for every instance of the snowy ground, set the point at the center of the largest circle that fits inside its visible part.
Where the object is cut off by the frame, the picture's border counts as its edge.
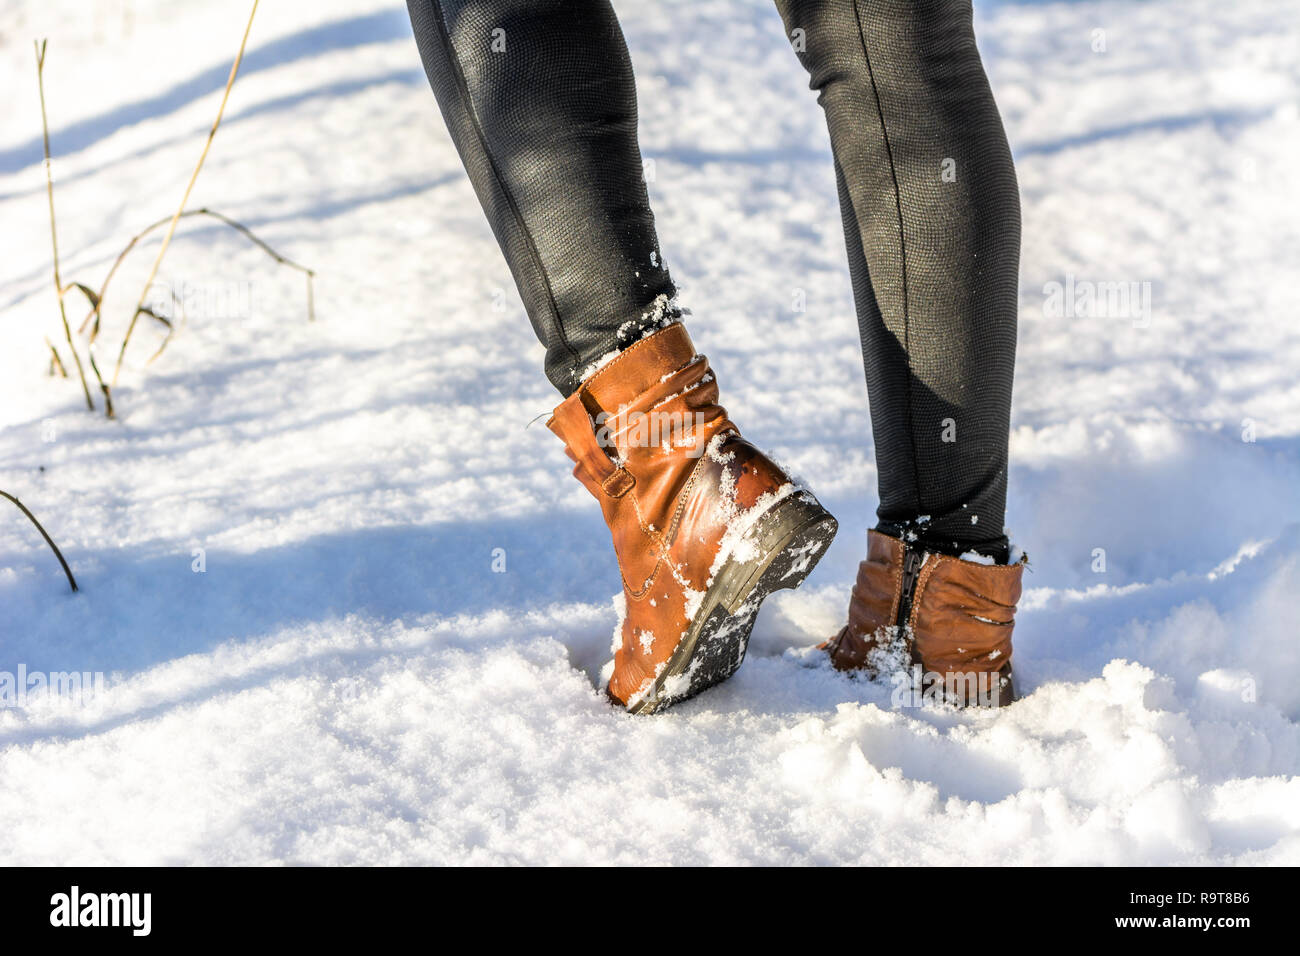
(349, 681)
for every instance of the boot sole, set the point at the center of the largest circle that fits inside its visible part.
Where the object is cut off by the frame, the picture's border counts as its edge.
(789, 539)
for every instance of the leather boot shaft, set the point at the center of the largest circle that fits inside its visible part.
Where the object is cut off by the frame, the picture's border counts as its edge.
(950, 616)
(698, 516)
(637, 431)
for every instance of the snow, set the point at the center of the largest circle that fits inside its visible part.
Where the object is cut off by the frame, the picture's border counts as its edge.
(349, 680)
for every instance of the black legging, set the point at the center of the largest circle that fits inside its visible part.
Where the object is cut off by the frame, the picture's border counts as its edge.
(541, 103)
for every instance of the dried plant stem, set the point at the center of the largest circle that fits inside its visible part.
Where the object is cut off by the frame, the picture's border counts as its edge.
(48, 540)
(97, 299)
(171, 228)
(103, 386)
(56, 363)
(54, 235)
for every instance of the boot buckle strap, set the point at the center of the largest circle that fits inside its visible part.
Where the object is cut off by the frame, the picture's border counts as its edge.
(619, 482)
(573, 423)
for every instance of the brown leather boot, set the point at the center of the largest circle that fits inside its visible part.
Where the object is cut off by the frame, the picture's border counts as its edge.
(951, 617)
(704, 525)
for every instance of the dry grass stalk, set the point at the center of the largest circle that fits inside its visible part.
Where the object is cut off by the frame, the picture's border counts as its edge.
(103, 386)
(44, 534)
(96, 299)
(54, 235)
(56, 363)
(171, 228)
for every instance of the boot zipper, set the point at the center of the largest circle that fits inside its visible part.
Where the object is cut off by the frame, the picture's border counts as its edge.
(912, 561)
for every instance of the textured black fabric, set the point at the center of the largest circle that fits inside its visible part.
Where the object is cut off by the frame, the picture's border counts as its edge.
(934, 258)
(541, 103)
(546, 125)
